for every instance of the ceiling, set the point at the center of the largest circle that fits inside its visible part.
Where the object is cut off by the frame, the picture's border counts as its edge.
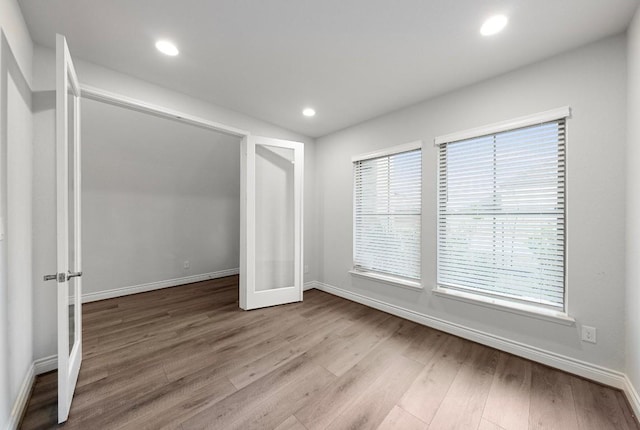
(349, 59)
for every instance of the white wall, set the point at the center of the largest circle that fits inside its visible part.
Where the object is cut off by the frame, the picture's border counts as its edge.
(16, 333)
(44, 168)
(155, 193)
(592, 80)
(17, 34)
(19, 199)
(633, 203)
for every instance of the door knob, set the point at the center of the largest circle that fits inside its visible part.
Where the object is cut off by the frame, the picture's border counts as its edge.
(73, 275)
(60, 277)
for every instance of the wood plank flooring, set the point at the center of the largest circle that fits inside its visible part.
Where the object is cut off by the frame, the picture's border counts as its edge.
(188, 358)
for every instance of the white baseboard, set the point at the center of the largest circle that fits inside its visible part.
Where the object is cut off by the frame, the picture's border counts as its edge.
(142, 288)
(632, 396)
(45, 364)
(309, 286)
(22, 399)
(578, 367)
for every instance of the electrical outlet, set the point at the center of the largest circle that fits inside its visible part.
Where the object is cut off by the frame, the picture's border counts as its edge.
(588, 334)
(306, 268)
(186, 265)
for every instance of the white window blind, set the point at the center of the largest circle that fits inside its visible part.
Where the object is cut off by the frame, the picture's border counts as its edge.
(501, 214)
(387, 214)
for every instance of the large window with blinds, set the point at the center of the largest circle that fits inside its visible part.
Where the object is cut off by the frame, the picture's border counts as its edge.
(501, 214)
(387, 213)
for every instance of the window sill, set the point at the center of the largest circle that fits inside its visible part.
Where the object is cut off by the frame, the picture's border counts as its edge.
(387, 279)
(507, 306)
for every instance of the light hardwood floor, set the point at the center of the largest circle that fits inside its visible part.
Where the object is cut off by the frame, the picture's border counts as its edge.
(189, 358)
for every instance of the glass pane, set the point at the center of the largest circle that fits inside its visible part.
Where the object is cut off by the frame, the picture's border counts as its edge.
(274, 218)
(71, 206)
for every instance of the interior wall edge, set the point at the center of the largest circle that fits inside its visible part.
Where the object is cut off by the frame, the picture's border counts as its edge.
(577, 367)
(17, 192)
(632, 281)
(17, 33)
(22, 399)
(632, 395)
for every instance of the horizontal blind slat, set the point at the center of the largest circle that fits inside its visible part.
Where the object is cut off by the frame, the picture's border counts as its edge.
(501, 222)
(387, 214)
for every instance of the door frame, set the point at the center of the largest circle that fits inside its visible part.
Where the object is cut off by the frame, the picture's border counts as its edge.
(115, 99)
(108, 97)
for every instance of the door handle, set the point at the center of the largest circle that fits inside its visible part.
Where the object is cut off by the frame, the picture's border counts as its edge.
(60, 277)
(73, 275)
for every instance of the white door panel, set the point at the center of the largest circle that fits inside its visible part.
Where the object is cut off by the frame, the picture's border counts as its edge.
(271, 232)
(69, 252)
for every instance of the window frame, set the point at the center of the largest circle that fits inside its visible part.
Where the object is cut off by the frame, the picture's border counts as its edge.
(497, 301)
(379, 276)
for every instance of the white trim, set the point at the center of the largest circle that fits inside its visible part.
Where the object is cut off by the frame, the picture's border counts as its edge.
(411, 146)
(115, 99)
(135, 289)
(523, 121)
(45, 364)
(632, 396)
(309, 286)
(22, 399)
(594, 372)
(388, 279)
(506, 305)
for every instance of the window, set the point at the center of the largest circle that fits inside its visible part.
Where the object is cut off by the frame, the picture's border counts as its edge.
(501, 211)
(387, 213)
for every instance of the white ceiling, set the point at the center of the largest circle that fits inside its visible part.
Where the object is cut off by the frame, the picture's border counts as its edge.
(350, 59)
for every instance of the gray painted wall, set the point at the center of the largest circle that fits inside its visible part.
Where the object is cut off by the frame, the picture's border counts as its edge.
(16, 331)
(633, 203)
(44, 174)
(155, 193)
(592, 80)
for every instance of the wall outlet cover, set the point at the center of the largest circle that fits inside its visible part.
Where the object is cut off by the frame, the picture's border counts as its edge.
(588, 334)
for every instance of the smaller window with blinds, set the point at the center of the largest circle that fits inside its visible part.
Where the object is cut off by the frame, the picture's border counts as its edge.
(501, 211)
(387, 214)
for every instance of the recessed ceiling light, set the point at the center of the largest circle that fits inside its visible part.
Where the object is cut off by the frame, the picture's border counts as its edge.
(308, 112)
(494, 25)
(167, 48)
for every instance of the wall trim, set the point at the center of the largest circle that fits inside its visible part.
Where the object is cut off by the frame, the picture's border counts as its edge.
(309, 285)
(45, 364)
(22, 399)
(594, 372)
(632, 396)
(142, 288)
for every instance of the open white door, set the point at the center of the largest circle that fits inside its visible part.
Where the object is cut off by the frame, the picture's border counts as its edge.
(69, 253)
(271, 255)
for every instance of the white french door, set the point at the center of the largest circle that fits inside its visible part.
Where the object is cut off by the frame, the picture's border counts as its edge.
(69, 252)
(271, 257)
